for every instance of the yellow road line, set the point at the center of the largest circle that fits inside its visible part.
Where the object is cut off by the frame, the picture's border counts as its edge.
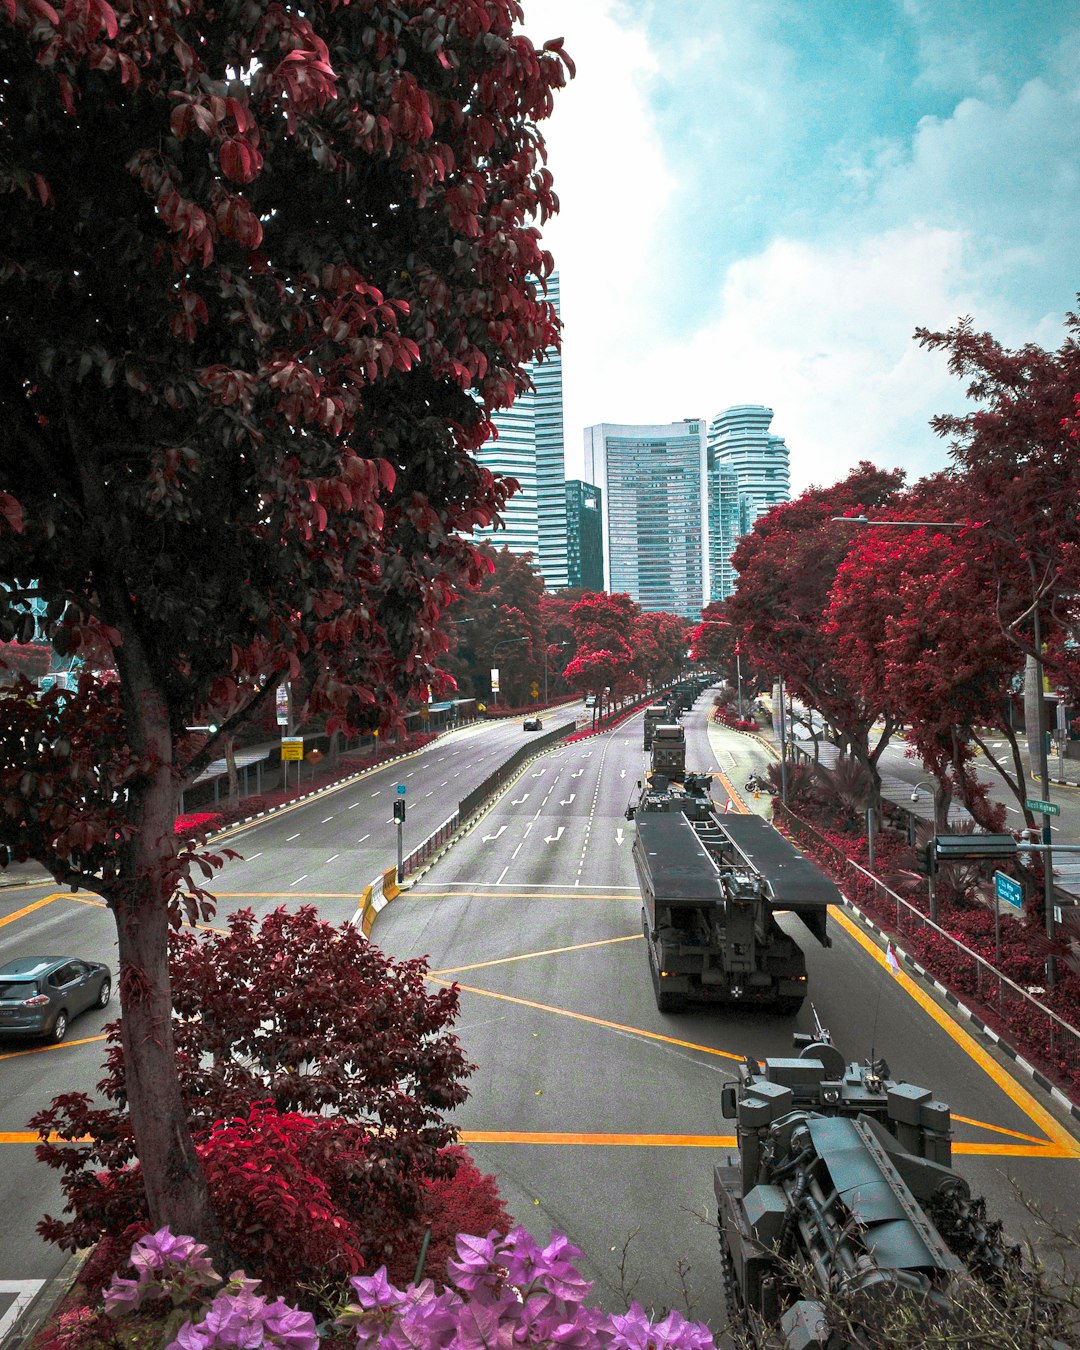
(1014, 1150)
(25, 1137)
(593, 1021)
(998, 1129)
(729, 788)
(29, 909)
(1035, 1112)
(45, 1049)
(523, 895)
(529, 956)
(287, 895)
(616, 1140)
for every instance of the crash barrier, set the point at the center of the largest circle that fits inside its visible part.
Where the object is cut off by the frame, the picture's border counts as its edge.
(431, 845)
(971, 974)
(376, 897)
(494, 781)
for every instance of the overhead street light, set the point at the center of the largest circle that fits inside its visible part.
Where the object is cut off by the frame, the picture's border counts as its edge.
(503, 642)
(1044, 771)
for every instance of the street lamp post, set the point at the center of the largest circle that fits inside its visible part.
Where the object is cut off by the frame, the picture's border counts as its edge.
(1044, 772)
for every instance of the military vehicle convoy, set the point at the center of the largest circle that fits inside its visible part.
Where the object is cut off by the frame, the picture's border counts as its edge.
(655, 714)
(669, 750)
(842, 1182)
(711, 886)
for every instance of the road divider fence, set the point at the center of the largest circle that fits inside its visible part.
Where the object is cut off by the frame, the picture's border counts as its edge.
(971, 975)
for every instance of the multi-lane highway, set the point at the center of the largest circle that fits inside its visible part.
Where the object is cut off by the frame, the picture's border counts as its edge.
(599, 1115)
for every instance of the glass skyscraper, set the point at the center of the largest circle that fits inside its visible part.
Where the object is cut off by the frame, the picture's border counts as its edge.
(656, 541)
(584, 536)
(747, 473)
(529, 446)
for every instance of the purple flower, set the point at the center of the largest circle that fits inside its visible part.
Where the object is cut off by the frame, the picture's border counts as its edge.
(157, 1251)
(477, 1261)
(376, 1291)
(245, 1322)
(124, 1296)
(634, 1331)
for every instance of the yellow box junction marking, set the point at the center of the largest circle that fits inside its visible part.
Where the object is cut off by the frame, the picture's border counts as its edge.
(29, 909)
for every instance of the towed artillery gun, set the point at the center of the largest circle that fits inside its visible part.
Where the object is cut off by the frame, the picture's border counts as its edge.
(712, 885)
(843, 1183)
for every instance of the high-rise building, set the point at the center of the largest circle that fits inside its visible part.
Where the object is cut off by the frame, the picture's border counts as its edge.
(653, 509)
(529, 445)
(584, 536)
(747, 473)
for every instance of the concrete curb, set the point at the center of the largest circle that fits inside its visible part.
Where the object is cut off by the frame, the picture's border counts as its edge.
(913, 966)
(44, 1303)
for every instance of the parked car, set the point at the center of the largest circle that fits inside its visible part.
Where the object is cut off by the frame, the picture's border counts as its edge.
(532, 724)
(39, 995)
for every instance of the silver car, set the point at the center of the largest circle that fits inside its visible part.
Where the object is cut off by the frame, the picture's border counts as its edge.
(39, 995)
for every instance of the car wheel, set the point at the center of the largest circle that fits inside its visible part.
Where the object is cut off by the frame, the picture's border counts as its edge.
(106, 993)
(59, 1026)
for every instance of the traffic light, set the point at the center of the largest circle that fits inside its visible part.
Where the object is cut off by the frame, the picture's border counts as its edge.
(399, 811)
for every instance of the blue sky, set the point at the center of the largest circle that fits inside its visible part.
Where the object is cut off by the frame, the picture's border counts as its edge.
(762, 199)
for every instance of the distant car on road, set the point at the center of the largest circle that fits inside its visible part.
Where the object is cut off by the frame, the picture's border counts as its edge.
(532, 724)
(39, 995)
(590, 702)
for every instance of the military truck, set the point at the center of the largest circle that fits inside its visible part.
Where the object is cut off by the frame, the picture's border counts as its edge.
(711, 886)
(669, 750)
(654, 715)
(845, 1176)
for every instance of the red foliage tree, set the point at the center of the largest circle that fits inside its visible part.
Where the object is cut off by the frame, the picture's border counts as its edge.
(497, 623)
(787, 566)
(311, 1019)
(603, 664)
(252, 326)
(660, 644)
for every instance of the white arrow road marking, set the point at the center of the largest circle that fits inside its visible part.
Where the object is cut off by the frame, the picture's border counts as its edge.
(499, 831)
(554, 838)
(622, 773)
(520, 800)
(569, 799)
(578, 774)
(619, 836)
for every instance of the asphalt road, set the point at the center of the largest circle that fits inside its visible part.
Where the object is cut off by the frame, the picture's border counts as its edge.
(323, 851)
(599, 1115)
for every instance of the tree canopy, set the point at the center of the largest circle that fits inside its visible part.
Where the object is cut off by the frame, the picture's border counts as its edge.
(265, 273)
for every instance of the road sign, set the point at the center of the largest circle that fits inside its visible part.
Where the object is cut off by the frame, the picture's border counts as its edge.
(494, 679)
(1009, 890)
(401, 789)
(292, 747)
(1047, 808)
(534, 689)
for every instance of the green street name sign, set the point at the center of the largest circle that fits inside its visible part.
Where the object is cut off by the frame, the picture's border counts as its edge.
(1047, 808)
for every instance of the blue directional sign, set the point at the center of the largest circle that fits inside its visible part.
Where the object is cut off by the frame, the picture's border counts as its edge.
(401, 789)
(1009, 890)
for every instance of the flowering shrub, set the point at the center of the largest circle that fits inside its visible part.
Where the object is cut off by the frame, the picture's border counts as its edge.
(198, 822)
(498, 1292)
(723, 714)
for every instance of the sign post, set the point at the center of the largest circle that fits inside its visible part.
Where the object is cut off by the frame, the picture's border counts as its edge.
(292, 748)
(1008, 889)
(494, 684)
(399, 819)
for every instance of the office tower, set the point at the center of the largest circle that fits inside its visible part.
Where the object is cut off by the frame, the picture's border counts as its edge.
(651, 480)
(550, 459)
(584, 536)
(528, 445)
(729, 513)
(747, 473)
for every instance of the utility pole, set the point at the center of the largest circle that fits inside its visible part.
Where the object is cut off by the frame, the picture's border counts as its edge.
(1044, 784)
(783, 744)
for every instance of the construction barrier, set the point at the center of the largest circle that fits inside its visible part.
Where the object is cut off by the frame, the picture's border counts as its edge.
(376, 897)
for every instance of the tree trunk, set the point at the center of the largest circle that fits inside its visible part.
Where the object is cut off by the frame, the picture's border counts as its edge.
(1032, 700)
(942, 802)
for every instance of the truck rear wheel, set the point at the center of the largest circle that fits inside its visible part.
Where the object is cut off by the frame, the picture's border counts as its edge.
(665, 1002)
(788, 1007)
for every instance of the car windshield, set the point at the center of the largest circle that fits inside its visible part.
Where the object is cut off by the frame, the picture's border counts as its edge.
(17, 989)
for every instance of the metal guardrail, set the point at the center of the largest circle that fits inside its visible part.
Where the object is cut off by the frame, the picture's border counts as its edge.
(431, 845)
(972, 976)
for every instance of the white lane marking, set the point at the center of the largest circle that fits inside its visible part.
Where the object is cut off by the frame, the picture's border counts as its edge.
(326, 821)
(376, 793)
(366, 836)
(334, 858)
(499, 831)
(291, 838)
(252, 856)
(502, 874)
(428, 794)
(298, 880)
(444, 782)
(554, 838)
(410, 773)
(25, 1292)
(354, 806)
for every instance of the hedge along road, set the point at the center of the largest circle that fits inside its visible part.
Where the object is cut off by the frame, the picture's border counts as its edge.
(321, 851)
(600, 1116)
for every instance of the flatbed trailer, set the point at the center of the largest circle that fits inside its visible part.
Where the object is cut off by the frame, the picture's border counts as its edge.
(711, 888)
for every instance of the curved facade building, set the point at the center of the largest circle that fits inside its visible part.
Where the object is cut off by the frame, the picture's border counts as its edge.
(748, 471)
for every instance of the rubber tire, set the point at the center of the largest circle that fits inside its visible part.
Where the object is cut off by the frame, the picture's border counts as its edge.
(788, 1007)
(59, 1027)
(665, 1003)
(106, 993)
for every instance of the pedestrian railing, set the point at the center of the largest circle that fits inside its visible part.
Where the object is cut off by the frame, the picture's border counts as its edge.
(970, 975)
(431, 845)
